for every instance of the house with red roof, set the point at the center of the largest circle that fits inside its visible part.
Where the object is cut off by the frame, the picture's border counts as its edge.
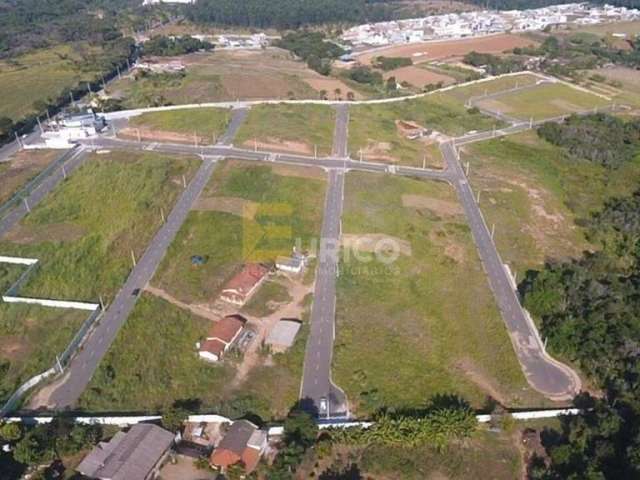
(243, 443)
(244, 283)
(221, 337)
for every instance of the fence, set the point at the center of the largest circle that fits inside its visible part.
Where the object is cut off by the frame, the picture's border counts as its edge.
(64, 358)
(36, 181)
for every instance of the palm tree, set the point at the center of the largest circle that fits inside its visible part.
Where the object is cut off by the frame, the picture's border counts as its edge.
(323, 94)
(337, 92)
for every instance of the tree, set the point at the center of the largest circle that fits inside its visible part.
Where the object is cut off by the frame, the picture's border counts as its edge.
(351, 96)
(337, 93)
(173, 418)
(33, 449)
(11, 432)
(6, 125)
(323, 94)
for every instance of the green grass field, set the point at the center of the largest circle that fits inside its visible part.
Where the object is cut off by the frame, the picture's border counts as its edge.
(545, 101)
(226, 239)
(495, 85)
(290, 127)
(83, 233)
(271, 292)
(537, 197)
(153, 362)
(30, 339)
(493, 455)
(206, 123)
(373, 128)
(426, 324)
(41, 75)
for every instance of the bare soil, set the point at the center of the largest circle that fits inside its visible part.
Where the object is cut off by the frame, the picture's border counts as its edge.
(436, 205)
(22, 166)
(233, 205)
(278, 145)
(474, 374)
(148, 135)
(427, 51)
(52, 232)
(418, 77)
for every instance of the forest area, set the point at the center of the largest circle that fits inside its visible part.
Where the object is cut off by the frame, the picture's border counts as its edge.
(590, 314)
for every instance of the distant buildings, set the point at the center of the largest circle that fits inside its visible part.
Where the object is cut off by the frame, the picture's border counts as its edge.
(474, 23)
(154, 2)
(135, 455)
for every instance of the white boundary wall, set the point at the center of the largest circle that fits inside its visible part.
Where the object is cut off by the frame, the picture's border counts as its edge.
(18, 260)
(52, 303)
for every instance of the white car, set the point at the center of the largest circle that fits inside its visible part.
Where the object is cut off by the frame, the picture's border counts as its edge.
(323, 405)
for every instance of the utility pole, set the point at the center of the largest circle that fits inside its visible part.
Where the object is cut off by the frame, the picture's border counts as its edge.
(118, 70)
(18, 140)
(530, 122)
(478, 197)
(424, 161)
(104, 85)
(138, 132)
(213, 137)
(493, 230)
(133, 258)
(26, 204)
(89, 87)
(58, 364)
(128, 64)
(64, 172)
(101, 303)
(315, 151)
(162, 214)
(39, 125)
(467, 169)
(184, 181)
(71, 97)
(360, 155)
(255, 145)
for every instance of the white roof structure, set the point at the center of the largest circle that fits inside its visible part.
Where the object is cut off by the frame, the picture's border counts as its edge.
(284, 333)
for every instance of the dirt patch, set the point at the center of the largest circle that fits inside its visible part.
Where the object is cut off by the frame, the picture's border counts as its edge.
(13, 347)
(233, 205)
(197, 310)
(426, 51)
(437, 206)
(418, 77)
(409, 129)
(52, 232)
(330, 85)
(473, 373)
(494, 105)
(379, 151)
(23, 166)
(299, 172)
(372, 242)
(148, 135)
(279, 145)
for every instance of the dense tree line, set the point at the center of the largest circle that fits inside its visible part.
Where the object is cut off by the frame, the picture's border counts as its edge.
(590, 314)
(313, 48)
(495, 65)
(599, 138)
(164, 46)
(391, 63)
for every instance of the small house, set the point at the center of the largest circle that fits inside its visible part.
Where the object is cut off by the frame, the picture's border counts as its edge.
(244, 442)
(221, 337)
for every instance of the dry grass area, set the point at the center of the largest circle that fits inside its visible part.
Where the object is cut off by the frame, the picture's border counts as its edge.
(230, 75)
(626, 82)
(439, 50)
(418, 77)
(21, 168)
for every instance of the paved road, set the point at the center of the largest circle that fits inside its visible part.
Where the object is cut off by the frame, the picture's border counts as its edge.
(341, 132)
(84, 364)
(42, 190)
(316, 380)
(302, 160)
(8, 150)
(546, 375)
(238, 116)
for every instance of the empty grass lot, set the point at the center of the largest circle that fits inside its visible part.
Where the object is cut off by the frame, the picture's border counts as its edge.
(537, 197)
(426, 324)
(206, 123)
(494, 85)
(373, 128)
(41, 75)
(83, 233)
(21, 168)
(545, 101)
(295, 128)
(217, 230)
(30, 339)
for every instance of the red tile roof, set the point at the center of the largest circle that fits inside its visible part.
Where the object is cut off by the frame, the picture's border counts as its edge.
(245, 280)
(213, 346)
(227, 328)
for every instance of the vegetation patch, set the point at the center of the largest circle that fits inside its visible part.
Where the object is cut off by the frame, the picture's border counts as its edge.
(205, 124)
(290, 127)
(22, 167)
(539, 198)
(114, 204)
(403, 327)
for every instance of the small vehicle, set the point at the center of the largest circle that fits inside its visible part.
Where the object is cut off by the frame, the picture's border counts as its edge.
(323, 405)
(136, 292)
